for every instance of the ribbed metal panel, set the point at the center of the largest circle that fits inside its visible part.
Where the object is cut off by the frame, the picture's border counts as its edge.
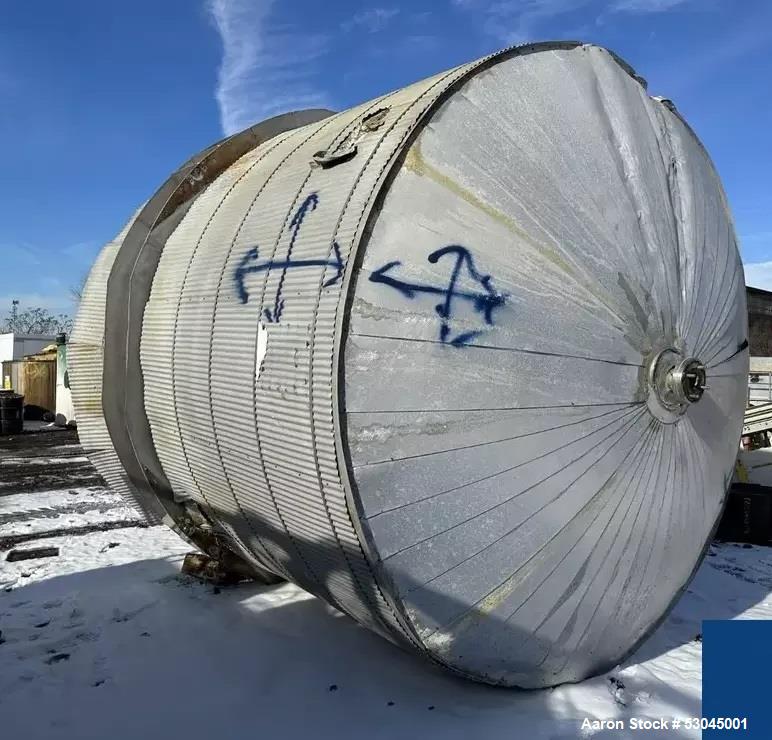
(419, 357)
(274, 473)
(84, 360)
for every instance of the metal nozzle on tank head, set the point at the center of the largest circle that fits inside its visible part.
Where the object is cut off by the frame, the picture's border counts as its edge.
(675, 382)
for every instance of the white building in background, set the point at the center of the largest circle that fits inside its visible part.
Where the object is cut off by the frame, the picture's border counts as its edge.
(16, 346)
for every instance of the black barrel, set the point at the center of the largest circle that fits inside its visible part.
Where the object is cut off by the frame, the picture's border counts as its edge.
(11, 412)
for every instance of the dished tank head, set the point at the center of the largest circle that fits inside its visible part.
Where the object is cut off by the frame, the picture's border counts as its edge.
(468, 361)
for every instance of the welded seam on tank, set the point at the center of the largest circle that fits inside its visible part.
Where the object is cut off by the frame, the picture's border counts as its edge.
(644, 462)
(698, 350)
(644, 635)
(274, 143)
(625, 428)
(492, 408)
(499, 348)
(621, 168)
(218, 291)
(340, 136)
(701, 343)
(603, 595)
(648, 463)
(728, 311)
(664, 521)
(684, 501)
(670, 439)
(640, 443)
(692, 438)
(636, 579)
(688, 306)
(581, 571)
(627, 412)
(613, 615)
(702, 463)
(731, 342)
(648, 493)
(475, 445)
(572, 270)
(742, 347)
(644, 533)
(684, 463)
(715, 288)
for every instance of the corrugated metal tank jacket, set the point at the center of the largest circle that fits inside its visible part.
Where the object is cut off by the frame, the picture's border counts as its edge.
(467, 361)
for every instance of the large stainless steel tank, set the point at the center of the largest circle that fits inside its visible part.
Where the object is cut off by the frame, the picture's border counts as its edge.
(467, 361)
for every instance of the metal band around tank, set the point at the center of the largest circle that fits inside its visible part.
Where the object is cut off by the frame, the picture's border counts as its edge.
(128, 289)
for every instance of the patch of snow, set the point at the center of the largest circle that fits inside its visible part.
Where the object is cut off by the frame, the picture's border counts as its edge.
(109, 640)
(30, 502)
(42, 511)
(94, 515)
(43, 460)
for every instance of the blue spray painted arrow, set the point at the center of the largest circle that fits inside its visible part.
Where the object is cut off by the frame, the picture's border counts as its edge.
(484, 302)
(249, 263)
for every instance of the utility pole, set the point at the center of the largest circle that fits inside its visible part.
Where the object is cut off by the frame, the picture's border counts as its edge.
(14, 313)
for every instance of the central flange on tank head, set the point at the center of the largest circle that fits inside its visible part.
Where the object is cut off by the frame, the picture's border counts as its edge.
(674, 383)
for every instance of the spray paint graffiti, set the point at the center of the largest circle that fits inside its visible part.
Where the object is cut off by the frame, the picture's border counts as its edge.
(484, 302)
(250, 263)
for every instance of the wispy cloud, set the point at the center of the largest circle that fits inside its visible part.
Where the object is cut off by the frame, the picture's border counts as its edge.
(372, 20)
(647, 6)
(267, 66)
(759, 275)
(518, 21)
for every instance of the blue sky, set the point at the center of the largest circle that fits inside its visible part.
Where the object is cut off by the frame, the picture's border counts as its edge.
(101, 101)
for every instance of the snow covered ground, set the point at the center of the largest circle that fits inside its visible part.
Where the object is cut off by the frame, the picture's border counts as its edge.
(108, 640)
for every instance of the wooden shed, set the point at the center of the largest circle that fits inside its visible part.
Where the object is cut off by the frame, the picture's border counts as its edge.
(34, 377)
